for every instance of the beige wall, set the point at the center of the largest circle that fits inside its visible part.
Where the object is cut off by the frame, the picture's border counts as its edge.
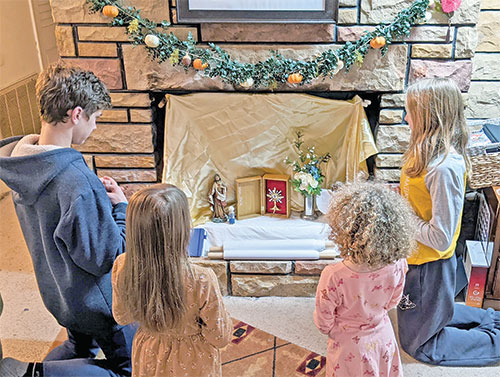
(45, 30)
(27, 41)
(18, 54)
(484, 93)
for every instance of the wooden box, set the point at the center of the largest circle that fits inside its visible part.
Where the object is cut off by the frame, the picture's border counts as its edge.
(276, 195)
(492, 294)
(263, 195)
(248, 197)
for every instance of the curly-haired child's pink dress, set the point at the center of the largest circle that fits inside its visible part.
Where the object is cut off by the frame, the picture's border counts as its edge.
(351, 308)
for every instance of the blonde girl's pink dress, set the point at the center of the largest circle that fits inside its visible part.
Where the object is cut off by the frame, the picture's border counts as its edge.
(351, 308)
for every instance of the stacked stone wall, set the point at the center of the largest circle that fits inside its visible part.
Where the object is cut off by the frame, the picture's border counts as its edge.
(123, 143)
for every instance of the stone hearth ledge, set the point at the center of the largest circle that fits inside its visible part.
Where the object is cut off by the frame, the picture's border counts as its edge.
(267, 278)
(261, 267)
(274, 285)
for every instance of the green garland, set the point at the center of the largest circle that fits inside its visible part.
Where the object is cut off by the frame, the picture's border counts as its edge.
(268, 73)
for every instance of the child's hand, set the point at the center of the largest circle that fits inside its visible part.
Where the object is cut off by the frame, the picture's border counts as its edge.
(114, 191)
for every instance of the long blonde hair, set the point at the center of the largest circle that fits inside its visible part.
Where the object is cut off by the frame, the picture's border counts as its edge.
(436, 109)
(156, 263)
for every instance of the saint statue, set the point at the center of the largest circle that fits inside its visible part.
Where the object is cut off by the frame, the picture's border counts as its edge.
(217, 200)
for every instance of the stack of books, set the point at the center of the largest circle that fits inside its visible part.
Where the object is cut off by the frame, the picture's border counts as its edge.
(488, 134)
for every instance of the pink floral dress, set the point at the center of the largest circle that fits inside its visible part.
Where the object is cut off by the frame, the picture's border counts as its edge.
(351, 308)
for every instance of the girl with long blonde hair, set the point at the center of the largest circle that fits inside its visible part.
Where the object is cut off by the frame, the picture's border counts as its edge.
(432, 328)
(178, 306)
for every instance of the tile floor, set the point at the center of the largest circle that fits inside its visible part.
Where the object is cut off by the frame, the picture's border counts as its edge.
(281, 341)
(256, 353)
(253, 352)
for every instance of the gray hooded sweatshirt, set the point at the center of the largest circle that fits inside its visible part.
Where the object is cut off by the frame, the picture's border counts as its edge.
(73, 232)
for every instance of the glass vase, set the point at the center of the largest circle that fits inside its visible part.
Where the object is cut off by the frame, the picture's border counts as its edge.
(309, 208)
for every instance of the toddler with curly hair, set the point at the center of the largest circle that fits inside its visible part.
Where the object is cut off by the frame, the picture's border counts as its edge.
(374, 229)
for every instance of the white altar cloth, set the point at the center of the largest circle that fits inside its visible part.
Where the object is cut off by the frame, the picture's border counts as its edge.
(265, 228)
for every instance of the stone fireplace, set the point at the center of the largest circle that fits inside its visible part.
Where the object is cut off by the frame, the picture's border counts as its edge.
(127, 144)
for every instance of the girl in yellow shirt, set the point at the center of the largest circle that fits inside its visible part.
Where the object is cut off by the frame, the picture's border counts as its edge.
(432, 328)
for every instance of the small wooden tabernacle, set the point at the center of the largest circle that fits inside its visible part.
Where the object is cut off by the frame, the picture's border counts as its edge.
(263, 195)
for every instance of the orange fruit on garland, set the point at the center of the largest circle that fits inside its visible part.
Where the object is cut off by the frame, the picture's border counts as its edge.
(294, 78)
(198, 64)
(110, 11)
(377, 42)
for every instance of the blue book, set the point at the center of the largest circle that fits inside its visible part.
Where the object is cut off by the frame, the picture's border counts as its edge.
(197, 242)
(492, 131)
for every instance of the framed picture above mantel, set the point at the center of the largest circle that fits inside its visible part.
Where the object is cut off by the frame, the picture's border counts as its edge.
(257, 11)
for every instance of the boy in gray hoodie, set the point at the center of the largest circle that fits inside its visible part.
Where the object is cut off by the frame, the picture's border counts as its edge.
(74, 226)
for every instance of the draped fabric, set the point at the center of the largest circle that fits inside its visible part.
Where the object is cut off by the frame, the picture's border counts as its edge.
(240, 135)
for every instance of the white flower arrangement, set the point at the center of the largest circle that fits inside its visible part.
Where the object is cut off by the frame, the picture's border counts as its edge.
(308, 177)
(306, 180)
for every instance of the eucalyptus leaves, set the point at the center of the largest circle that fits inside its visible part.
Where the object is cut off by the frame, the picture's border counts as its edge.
(216, 62)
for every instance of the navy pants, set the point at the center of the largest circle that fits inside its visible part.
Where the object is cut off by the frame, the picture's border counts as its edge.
(75, 357)
(435, 330)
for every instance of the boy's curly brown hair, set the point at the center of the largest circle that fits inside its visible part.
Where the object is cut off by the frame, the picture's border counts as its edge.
(60, 88)
(371, 224)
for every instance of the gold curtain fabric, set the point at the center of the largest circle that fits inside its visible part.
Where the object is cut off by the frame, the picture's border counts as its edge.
(240, 135)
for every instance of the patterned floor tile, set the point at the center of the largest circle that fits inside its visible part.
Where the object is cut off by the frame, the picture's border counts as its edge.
(247, 340)
(295, 361)
(281, 342)
(259, 365)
